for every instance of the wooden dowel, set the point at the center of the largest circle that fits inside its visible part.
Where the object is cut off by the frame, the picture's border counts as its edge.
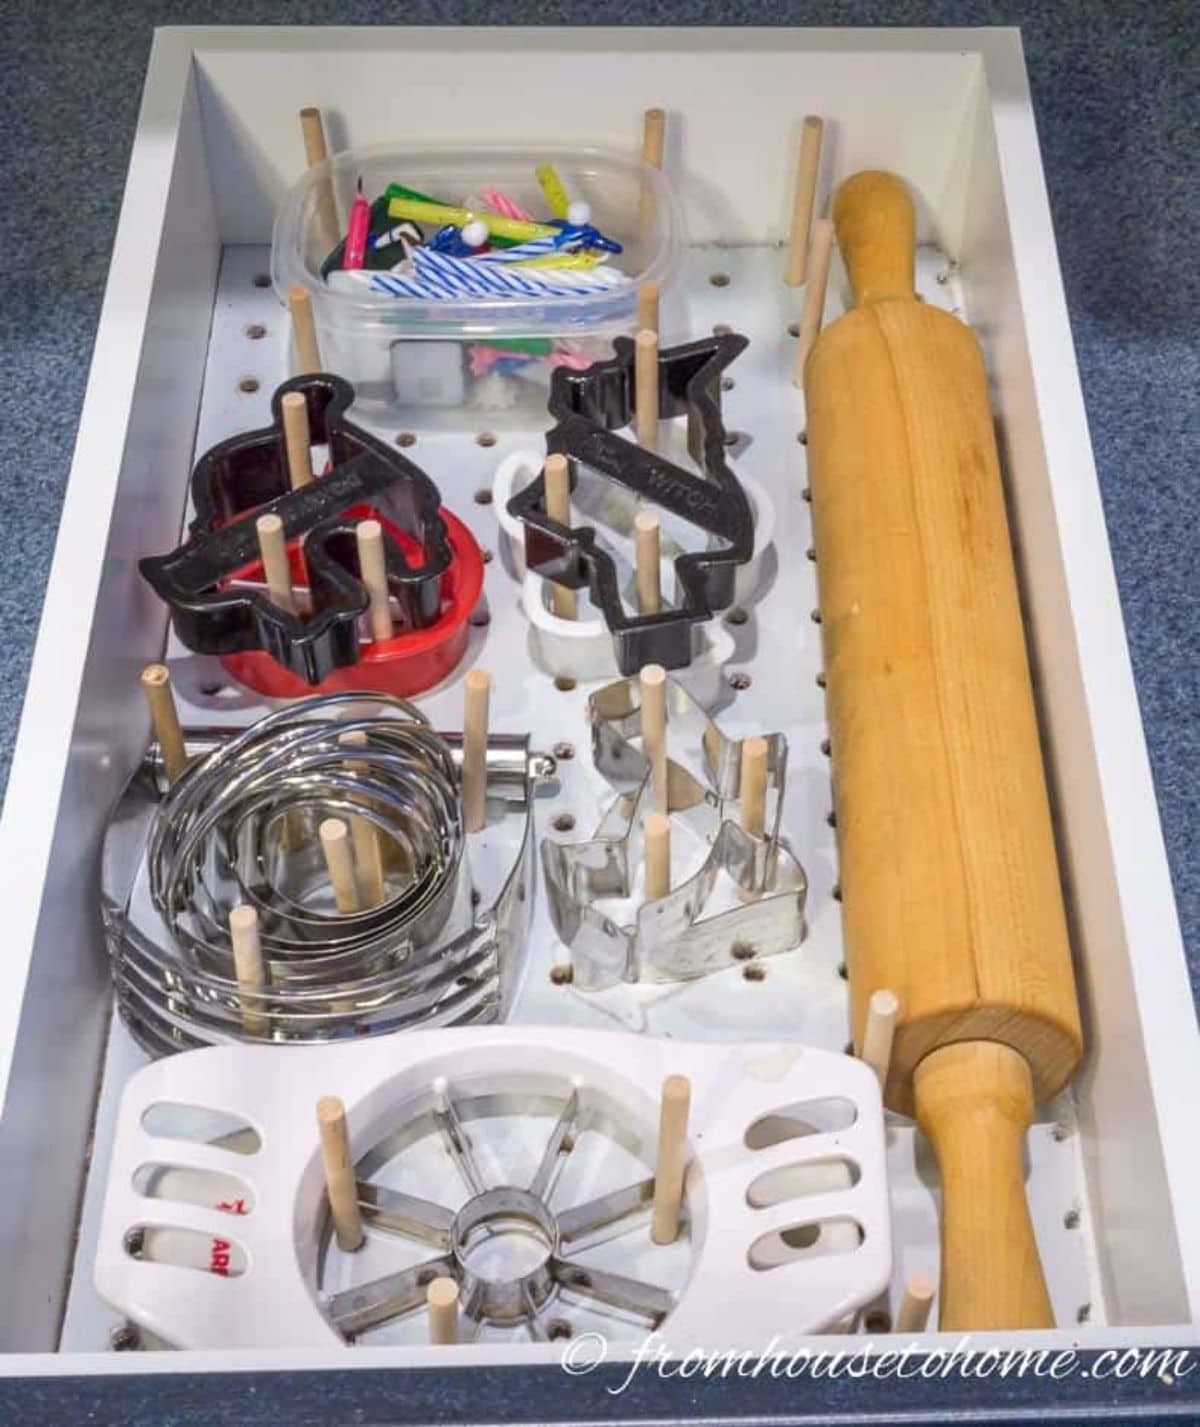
(648, 548)
(164, 719)
(653, 685)
(656, 837)
(316, 152)
(313, 130)
(806, 188)
(339, 861)
(752, 791)
(297, 438)
(272, 548)
(441, 1299)
(645, 389)
(814, 293)
(668, 1172)
(654, 131)
(308, 353)
(647, 307)
(364, 837)
(915, 1305)
(339, 1173)
(557, 477)
(248, 967)
(478, 689)
(372, 571)
(882, 1010)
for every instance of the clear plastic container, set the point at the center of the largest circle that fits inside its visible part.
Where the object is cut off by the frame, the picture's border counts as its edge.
(433, 363)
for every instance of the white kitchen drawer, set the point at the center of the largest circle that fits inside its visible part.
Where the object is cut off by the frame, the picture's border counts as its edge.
(1114, 1168)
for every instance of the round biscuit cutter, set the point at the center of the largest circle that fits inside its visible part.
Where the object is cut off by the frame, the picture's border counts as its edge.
(518, 1161)
(582, 648)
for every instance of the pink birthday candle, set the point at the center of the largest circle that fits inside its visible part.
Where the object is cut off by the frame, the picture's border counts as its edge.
(358, 229)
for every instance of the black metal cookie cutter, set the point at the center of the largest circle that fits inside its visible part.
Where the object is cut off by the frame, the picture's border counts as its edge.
(589, 406)
(249, 473)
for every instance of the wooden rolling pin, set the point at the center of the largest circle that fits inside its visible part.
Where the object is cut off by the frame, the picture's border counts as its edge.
(950, 888)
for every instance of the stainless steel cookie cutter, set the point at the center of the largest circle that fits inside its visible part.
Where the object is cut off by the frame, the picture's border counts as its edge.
(744, 899)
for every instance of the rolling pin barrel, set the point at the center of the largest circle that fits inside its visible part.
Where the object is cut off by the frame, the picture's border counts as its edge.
(950, 888)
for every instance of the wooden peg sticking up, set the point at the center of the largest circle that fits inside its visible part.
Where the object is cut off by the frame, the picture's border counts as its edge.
(441, 1299)
(272, 547)
(645, 388)
(164, 718)
(668, 1172)
(372, 570)
(339, 1173)
(654, 132)
(308, 353)
(313, 130)
(648, 548)
(814, 293)
(558, 507)
(653, 683)
(364, 838)
(339, 862)
(478, 685)
(882, 1010)
(316, 152)
(656, 837)
(915, 1305)
(647, 308)
(806, 188)
(248, 967)
(297, 438)
(753, 786)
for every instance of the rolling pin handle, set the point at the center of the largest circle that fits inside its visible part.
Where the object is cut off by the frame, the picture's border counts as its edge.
(974, 1101)
(876, 231)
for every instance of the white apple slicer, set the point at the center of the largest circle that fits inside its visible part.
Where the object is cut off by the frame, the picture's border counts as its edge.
(518, 1162)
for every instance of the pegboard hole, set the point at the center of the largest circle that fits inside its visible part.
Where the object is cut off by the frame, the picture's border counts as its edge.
(564, 752)
(480, 619)
(842, 972)
(754, 972)
(486, 438)
(125, 1339)
(737, 615)
(248, 385)
(722, 329)
(727, 383)
(564, 683)
(558, 1329)
(878, 1320)
(719, 279)
(740, 680)
(261, 279)
(562, 975)
(256, 331)
(486, 556)
(564, 822)
(793, 329)
(483, 496)
(406, 438)
(741, 951)
(732, 438)
(802, 437)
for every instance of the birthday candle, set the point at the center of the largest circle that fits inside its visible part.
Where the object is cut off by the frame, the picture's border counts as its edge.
(357, 231)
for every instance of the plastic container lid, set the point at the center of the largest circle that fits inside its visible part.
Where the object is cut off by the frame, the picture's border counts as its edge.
(630, 201)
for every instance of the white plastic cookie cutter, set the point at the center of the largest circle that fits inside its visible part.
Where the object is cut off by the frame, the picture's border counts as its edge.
(518, 1161)
(582, 648)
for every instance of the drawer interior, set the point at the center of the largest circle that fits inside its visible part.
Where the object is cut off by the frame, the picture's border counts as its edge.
(1104, 1182)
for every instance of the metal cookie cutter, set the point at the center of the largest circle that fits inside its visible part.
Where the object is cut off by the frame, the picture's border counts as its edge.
(589, 407)
(444, 942)
(519, 1161)
(745, 896)
(214, 609)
